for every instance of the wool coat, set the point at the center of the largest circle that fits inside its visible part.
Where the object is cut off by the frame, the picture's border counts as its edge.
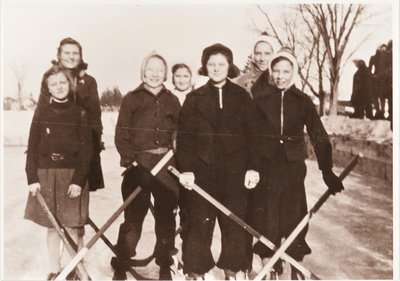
(218, 146)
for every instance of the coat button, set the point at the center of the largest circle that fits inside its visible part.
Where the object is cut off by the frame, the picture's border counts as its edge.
(157, 129)
(157, 142)
(157, 101)
(156, 114)
(281, 141)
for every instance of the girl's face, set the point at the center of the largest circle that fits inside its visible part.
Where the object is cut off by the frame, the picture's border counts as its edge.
(69, 56)
(182, 79)
(282, 72)
(217, 68)
(262, 55)
(58, 85)
(154, 72)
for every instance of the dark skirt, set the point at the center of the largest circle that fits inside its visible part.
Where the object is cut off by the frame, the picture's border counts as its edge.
(54, 188)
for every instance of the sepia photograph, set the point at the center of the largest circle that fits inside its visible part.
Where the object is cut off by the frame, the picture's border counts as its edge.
(199, 140)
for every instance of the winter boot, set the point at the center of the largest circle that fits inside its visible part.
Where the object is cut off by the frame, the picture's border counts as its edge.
(229, 274)
(165, 273)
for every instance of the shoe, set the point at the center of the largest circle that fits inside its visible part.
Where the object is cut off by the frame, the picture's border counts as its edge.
(51, 276)
(119, 275)
(229, 274)
(195, 276)
(165, 273)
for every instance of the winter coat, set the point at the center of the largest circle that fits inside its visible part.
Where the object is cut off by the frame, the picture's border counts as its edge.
(247, 80)
(145, 121)
(298, 111)
(205, 133)
(59, 128)
(362, 87)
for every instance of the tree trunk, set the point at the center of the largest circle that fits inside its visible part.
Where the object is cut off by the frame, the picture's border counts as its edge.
(334, 95)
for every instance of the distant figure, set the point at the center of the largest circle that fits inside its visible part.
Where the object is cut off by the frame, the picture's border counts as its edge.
(182, 81)
(378, 66)
(389, 79)
(361, 95)
(57, 164)
(262, 52)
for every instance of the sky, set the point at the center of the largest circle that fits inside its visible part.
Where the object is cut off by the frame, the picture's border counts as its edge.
(117, 35)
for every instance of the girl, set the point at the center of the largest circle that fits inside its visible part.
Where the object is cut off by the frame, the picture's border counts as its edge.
(58, 158)
(215, 146)
(182, 80)
(283, 112)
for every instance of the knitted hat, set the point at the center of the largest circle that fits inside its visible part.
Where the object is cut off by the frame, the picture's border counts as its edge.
(153, 54)
(218, 49)
(287, 54)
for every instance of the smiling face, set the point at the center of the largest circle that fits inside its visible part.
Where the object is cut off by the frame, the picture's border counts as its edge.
(262, 55)
(281, 73)
(182, 79)
(217, 68)
(58, 85)
(70, 56)
(154, 72)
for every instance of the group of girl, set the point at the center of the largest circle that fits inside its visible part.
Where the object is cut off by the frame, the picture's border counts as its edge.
(241, 138)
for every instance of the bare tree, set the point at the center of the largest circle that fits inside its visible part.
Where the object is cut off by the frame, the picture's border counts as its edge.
(335, 24)
(20, 72)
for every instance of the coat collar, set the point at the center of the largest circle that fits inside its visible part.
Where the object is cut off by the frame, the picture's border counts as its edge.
(207, 101)
(141, 88)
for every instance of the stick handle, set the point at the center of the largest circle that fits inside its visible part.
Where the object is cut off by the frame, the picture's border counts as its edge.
(63, 274)
(289, 240)
(245, 226)
(83, 274)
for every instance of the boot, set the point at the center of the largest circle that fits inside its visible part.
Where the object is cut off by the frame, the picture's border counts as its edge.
(229, 274)
(165, 273)
(119, 269)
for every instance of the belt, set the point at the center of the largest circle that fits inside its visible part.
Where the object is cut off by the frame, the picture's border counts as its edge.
(57, 157)
(159, 150)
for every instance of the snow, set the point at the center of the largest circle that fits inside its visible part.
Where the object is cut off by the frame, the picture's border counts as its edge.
(351, 235)
(373, 130)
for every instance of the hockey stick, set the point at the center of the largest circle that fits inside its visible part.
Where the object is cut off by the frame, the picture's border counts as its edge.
(82, 273)
(246, 227)
(79, 256)
(288, 241)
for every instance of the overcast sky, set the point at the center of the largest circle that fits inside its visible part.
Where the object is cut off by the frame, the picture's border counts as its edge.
(117, 36)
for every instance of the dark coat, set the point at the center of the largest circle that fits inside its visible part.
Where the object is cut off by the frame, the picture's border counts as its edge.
(145, 121)
(59, 128)
(84, 93)
(362, 87)
(298, 111)
(280, 202)
(200, 131)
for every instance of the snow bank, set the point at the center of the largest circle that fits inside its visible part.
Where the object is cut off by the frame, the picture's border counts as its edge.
(372, 130)
(17, 123)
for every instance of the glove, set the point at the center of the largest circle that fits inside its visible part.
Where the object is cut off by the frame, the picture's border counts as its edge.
(187, 180)
(332, 181)
(74, 191)
(34, 188)
(251, 179)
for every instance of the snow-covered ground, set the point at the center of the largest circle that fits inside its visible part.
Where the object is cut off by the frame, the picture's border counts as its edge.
(16, 127)
(351, 236)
